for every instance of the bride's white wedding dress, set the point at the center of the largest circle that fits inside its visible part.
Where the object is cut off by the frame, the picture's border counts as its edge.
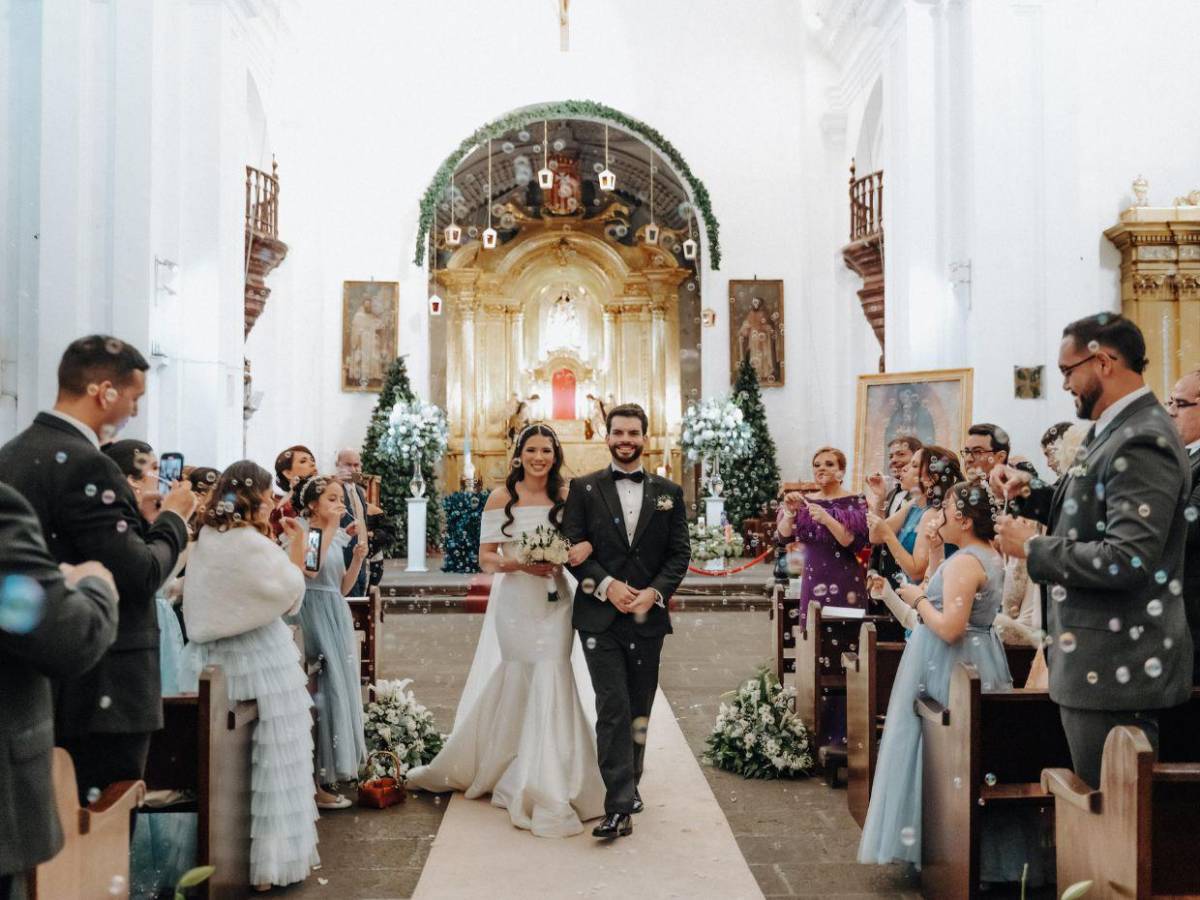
(525, 727)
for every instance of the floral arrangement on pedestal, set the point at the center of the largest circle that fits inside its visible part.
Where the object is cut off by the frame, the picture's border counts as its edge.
(758, 735)
(395, 721)
(714, 542)
(464, 513)
(715, 429)
(395, 470)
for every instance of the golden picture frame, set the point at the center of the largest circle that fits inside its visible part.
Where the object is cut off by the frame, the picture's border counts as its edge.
(370, 319)
(934, 406)
(756, 329)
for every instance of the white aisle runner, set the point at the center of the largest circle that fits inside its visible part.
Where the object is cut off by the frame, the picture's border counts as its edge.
(681, 845)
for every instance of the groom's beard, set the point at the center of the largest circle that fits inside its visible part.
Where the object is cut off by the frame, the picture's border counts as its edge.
(615, 453)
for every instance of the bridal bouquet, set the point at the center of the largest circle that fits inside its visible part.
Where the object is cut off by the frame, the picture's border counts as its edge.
(395, 721)
(545, 544)
(758, 735)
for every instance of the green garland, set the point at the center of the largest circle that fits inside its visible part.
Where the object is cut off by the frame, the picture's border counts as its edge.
(566, 109)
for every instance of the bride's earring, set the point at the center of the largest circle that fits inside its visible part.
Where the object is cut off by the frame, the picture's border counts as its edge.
(516, 464)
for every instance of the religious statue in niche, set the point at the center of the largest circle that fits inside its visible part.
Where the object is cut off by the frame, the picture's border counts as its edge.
(756, 329)
(369, 321)
(594, 424)
(563, 322)
(564, 197)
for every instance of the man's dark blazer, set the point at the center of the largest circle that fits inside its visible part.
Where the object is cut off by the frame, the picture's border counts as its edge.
(882, 560)
(1114, 546)
(658, 556)
(1191, 564)
(359, 589)
(87, 510)
(76, 626)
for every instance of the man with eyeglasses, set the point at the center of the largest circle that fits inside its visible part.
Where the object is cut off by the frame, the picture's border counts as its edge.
(1112, 557)
(1183, 406)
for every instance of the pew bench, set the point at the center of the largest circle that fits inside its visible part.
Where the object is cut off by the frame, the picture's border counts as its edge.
(204, 750)
(1138, 835)
(981, 751)
(367, 614)
(94, 859)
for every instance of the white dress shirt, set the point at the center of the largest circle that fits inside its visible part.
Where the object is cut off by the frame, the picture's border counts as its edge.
(630, 493)
(85, 430)
(1106, 417)
(1193, 448)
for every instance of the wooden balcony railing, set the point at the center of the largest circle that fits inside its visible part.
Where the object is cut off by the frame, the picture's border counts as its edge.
(866, 204)
(262, 201)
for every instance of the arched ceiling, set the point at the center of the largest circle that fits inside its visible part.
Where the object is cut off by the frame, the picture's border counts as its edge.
(517, 156)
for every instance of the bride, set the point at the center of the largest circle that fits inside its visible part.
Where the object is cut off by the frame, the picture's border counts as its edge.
(525, 727)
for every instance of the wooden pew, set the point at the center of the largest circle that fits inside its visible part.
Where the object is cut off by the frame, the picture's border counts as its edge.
(821, 678)
(981, 750)
(786, 613)
(366, 613)
(870, 671)
(205, 748)
(94, 859)
(1138, 835)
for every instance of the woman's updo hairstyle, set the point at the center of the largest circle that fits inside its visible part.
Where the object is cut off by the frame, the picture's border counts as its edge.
(307, 491)
(972, 499)
(236, 499)
(940, 467)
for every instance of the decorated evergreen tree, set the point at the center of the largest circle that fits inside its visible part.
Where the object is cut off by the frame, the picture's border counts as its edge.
(464, 514)
(753, 483)
(393, 472)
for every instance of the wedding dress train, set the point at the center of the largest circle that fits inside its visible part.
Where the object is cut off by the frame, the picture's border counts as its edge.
(525, 727)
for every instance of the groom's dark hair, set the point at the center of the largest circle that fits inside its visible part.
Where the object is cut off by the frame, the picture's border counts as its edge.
(627, 411)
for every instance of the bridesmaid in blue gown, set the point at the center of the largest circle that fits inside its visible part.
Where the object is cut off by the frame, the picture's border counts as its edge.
(951, 631)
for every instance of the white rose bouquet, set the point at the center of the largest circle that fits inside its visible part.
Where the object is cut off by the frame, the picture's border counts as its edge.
(715, 428)
(395, 721)
(758, 735)
(544, 545)
(416, 431)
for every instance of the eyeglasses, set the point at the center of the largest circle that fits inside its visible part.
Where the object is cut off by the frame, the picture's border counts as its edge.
(1067, 370)
(975, 452)
(1177, 404)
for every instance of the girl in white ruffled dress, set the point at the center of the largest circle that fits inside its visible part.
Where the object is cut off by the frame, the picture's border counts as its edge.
(240, 584)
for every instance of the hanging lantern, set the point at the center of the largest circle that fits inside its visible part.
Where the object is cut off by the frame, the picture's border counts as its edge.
(489, 233)
(690, 249)
(435, 305)
(453, 235)
(545, 173)
(489, 238)
(608, 180)
(651, 233)
(545, 179)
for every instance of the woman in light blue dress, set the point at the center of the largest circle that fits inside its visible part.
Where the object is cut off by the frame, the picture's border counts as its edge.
(950, 631)
(329, 633)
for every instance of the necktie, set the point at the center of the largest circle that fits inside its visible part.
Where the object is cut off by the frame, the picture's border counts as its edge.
(636, 477)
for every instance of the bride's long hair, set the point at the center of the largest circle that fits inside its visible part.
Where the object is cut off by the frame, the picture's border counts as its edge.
(516, 473)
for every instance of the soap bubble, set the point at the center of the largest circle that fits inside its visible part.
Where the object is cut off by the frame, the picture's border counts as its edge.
(591, 643)
(122, 526)
(1093, 346)
(1123, 674)
(60, 456)
(1114, 624)
(93, 794)
(105, 702)
(908, 835)
(1058, 592)
(1175, 587)
(1154, 667)
(117, 887)
(1160, 576)
(1144, 510)
(640, 725)
(89, 490)
(1191, 513)
(1071, 506)
(1092, 677)
(588, 585)
(22, 604)
(1154, 607)
(1066, 642)
(990, 779)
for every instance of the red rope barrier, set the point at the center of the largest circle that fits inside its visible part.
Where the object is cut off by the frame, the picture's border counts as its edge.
(723, 572)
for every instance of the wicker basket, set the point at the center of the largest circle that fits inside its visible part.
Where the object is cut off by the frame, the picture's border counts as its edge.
(380, 793)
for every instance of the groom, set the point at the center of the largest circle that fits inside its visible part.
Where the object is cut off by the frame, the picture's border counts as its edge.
(637, 526)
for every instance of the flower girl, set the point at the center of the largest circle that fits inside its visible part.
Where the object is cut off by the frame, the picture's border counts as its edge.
(239, 585)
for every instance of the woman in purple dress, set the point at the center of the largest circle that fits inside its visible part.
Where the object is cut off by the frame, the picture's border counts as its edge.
(831, 523)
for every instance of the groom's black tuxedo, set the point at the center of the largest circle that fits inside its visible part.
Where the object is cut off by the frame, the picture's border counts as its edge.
(622, 653)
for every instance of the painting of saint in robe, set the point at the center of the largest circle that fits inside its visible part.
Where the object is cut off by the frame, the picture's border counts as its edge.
(756, 317)
(368, 333)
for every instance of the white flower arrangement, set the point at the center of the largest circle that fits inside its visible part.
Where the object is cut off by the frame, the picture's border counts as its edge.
(1070, 452)
(757, 733)
(395, 721)
(545, 544)
(416, 431)
(664, 503)
(715, 428)
(709, 542)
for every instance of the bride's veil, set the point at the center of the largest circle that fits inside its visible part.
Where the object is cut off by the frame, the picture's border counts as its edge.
(487, 651)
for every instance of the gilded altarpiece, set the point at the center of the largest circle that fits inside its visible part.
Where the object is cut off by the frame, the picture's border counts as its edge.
(555, 325)
(1160, 286)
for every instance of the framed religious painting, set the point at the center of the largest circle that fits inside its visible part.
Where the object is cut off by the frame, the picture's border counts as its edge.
(370, 311)
(934, 406)
(756, 329)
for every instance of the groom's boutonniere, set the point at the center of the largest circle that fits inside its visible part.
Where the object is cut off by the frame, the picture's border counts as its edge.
(664, 503)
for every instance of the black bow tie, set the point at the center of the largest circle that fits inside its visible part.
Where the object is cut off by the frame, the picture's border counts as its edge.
(636, 477)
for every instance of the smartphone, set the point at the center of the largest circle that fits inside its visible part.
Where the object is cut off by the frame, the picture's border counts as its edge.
(170, 468)
(312, 555)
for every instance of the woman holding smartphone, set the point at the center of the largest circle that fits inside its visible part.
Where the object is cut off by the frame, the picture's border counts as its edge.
(329, 632)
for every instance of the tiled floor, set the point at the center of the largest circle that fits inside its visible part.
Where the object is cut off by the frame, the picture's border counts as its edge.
(796, 835)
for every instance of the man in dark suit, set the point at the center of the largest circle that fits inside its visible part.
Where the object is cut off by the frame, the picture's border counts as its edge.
(637, 526)
(900, 454)
(1183, 406)
(348, 466)
(87, 511)
(1112, 557)
(51, 626)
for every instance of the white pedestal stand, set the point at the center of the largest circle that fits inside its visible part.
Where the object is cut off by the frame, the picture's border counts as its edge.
(416, 534)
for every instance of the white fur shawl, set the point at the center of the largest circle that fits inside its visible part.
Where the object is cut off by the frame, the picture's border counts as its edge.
(236, 581)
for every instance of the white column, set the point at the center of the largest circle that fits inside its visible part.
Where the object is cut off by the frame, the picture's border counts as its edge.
(417, 511)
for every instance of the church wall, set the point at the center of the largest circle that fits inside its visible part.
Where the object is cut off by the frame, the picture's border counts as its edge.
(726, 88)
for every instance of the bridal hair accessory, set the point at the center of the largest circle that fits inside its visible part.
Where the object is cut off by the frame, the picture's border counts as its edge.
(546, 429)
(317, 484)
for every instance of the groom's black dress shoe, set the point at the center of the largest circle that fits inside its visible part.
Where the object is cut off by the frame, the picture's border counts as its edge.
(614, 825)
(638, 805)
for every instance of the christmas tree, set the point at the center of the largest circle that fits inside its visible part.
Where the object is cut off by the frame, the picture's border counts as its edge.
(464, 514)
(394, 474)
(752, 483)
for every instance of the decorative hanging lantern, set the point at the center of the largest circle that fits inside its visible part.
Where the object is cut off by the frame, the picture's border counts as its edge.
(435, 305)
(489, 234)
(545, 173)
(608, 181)
(690, 249)
(453, 233)
(651, 232)
(489, 238)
